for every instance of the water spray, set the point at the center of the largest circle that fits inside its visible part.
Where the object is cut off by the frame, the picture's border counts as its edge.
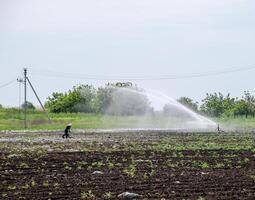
(125, 101)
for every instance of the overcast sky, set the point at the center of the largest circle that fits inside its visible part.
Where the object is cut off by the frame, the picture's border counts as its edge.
(134, 38)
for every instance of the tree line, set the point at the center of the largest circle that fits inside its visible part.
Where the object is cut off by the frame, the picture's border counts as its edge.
(218, 105)
(108, 99)
(86, 98)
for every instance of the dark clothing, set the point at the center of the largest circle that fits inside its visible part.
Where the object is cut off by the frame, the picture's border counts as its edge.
(67, 131)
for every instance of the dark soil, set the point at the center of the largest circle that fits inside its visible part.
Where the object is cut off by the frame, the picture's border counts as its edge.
(174, 174)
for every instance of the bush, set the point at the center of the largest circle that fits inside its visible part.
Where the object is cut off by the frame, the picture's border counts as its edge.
(80, 99)
(29, 105)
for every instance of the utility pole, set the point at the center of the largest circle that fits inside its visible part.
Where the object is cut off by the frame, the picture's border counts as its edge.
(25, 97)
(20, 81)
(25, 80)
(38, 99)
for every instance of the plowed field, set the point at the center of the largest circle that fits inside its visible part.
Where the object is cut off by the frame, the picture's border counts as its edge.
(154, 165)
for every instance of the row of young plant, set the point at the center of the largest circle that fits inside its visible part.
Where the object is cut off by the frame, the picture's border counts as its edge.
(128, 166)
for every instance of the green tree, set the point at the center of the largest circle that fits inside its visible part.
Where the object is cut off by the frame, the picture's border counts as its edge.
(241, 108)
(55, 103)
(250, 103)
(188, 102)
(29, 105)
(216, 104)
(84, 98)
(81, 98)
(104, 98)
(121, 98)
(128, 102)
(244, 107)
(122, 84)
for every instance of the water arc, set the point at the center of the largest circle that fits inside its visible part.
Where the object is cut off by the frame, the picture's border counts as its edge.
(136, 108)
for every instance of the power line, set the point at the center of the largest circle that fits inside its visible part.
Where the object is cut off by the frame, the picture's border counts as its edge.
(6, 84)
(49, 73)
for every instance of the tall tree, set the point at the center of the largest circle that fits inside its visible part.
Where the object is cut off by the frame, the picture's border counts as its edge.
(216, 104)
(188, 102)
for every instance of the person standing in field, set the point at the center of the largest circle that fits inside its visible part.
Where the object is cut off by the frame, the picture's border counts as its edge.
(67, 131)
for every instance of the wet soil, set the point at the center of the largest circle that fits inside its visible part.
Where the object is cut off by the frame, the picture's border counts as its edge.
(66, 172)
